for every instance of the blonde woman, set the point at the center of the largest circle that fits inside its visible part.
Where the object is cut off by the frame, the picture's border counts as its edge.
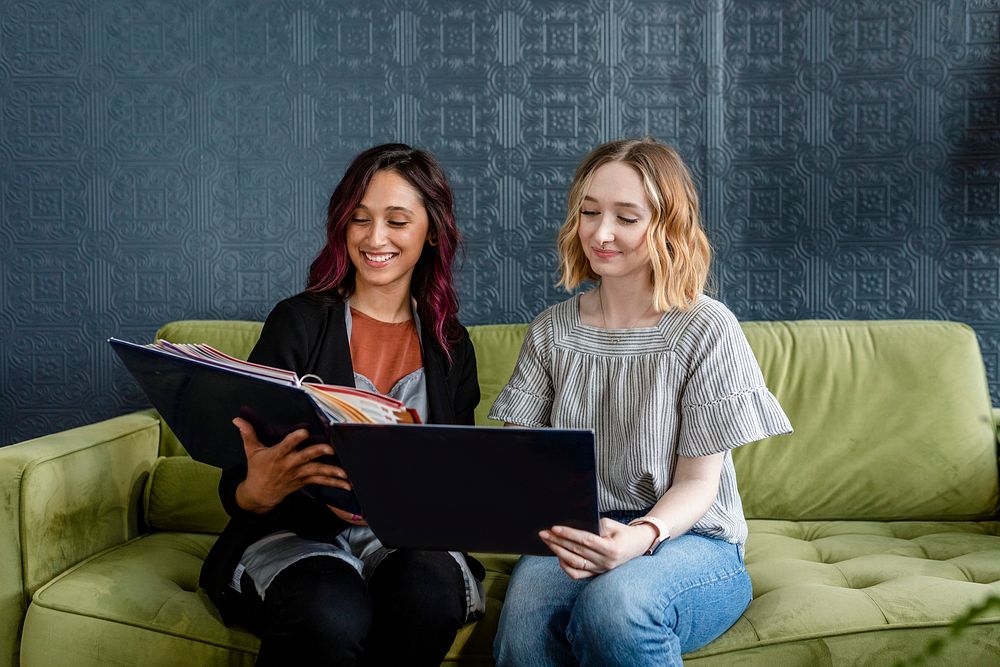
(664, 376)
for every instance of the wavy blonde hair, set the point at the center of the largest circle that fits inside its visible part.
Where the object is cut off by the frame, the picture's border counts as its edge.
(678, 248)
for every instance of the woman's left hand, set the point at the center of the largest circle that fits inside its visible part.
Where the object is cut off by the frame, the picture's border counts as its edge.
(584, 554)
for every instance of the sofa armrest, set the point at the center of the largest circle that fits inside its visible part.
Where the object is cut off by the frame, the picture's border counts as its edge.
(64, 497)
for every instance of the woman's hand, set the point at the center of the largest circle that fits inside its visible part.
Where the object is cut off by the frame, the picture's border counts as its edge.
(274, 472)
(583, 554)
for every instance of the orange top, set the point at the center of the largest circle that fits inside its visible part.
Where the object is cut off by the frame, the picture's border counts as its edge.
(384, 352)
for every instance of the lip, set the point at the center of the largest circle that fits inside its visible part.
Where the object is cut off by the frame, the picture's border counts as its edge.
(378, 264)
(604, 254)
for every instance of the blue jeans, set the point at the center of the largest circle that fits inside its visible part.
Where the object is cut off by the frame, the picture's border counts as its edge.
(647, 611)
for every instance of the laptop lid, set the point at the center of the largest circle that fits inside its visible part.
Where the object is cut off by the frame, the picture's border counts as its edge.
(459, 488)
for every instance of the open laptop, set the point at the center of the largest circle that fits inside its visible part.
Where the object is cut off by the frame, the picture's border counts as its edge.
(459, 489)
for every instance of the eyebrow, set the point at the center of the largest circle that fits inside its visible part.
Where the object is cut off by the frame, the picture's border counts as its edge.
(625, 204)
(389, 208)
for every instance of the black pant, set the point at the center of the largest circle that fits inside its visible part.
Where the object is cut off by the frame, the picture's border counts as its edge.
(320, 610)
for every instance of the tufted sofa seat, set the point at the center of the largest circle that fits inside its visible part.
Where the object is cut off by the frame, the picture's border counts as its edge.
(871, 527)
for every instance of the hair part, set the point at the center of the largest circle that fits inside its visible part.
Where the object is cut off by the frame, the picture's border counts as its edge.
(432, 284)
(679, 251)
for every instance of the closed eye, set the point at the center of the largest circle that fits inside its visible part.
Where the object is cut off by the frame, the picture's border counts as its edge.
(628, 221)
(590, 213)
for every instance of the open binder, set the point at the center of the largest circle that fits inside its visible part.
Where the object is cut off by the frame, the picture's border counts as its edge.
(198, 390)
(432, 487)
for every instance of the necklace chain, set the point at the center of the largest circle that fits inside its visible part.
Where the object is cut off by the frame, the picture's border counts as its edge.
(604, 319)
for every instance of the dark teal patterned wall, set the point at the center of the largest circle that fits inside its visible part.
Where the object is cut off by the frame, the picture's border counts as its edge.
(165, 159)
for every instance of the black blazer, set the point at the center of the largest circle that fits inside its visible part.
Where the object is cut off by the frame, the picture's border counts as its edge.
(306, 333)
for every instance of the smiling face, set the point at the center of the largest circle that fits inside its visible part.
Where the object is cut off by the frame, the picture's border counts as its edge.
(614, 218)
(386, 233)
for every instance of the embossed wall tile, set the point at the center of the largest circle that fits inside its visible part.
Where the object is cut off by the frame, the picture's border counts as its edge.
(968, 33)
(146, 37)
(872, 282)
(765, 38)
(970, 198)
(249, 39)
(560, 121)
(663, 40)
(247, 282)
(149, 120)
(872, 36)
(561, 40)
(46, 288)
(152, 283)
(989, 343)
(541, 261)
(969, 283)
(872, 202)
(355, 38)
(458, 120)
(43, 118)
(759, 283)
(764, 203)
(873, 116)
(45, 204)
(457, 40)
(50, 367)
(764, 121)
(351, 118)
(673, 113)
(970, 113)
(252, 203)
(476, 200)
(480, 296)
(249, 121)
(544, 201)
(42, 38)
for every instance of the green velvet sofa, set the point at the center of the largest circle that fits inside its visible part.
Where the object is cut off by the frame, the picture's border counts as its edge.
(871, 526)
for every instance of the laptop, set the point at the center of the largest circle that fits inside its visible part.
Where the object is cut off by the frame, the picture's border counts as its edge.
(454, 488)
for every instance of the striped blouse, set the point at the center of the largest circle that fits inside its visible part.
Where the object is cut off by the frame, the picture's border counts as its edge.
(689, 386)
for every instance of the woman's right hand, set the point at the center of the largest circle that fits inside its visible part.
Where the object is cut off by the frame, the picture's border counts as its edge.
(274, 472)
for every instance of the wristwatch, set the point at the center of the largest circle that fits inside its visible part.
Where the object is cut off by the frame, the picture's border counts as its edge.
(662, 532)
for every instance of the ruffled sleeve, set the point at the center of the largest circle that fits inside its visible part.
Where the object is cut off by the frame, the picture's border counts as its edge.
(725, 402)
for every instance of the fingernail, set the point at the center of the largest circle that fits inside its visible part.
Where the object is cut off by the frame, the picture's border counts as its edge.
(544, 534)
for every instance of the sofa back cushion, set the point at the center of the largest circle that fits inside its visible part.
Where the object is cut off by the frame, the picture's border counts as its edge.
(892, 421)
(497, 346)
(892, 418)
(182, 494)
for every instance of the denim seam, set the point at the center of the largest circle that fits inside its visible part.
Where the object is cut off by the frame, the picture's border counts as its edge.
(730, 574)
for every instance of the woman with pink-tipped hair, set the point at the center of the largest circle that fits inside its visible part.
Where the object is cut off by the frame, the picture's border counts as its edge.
(380, 313)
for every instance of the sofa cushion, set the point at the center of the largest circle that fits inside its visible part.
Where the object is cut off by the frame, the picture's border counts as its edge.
(182, 494)
(133, 604)
(892, 421)
(859, 582)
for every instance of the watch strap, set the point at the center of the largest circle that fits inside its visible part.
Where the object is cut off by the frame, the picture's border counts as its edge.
(662, 532)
